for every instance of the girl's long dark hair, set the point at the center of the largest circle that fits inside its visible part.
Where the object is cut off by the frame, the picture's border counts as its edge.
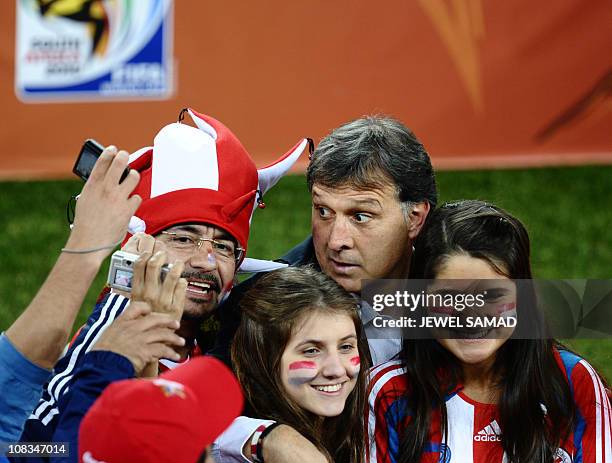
(529, 376)
(270, 310)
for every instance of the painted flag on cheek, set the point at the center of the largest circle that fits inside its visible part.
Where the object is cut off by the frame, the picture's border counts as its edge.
(501, 308)
(355, 366)
(302, 372)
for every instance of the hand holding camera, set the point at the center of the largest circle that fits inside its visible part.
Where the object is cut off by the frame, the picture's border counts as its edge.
(104, 207)
(149, 279)
(145, 333)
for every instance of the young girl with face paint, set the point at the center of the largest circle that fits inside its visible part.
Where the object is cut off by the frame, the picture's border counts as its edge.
(483, 398)
(299, 357)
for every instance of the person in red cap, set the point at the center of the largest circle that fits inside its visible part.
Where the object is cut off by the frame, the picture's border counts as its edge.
(174, 417)
(199, 189)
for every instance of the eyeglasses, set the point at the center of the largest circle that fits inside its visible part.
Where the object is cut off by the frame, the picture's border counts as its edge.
(222, 248)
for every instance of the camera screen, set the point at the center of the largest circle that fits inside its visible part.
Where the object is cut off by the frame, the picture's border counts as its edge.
(86, 163)
(123, 278)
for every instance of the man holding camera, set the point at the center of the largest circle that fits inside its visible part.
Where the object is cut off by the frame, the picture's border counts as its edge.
(199, 188)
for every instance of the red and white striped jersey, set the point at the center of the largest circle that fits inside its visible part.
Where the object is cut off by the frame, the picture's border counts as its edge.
(474, 431)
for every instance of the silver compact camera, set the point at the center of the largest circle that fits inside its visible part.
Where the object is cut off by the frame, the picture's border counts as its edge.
(121, 270)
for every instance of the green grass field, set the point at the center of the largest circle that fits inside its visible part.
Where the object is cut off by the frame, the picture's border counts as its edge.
(566, 211)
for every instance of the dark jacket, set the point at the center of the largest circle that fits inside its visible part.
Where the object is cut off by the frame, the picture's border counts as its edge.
(229, 310)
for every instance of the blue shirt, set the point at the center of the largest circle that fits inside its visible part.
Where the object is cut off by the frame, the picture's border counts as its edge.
(21, 383)
(99, 369)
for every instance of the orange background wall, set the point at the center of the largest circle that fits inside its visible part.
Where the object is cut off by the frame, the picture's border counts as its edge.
(482, 83)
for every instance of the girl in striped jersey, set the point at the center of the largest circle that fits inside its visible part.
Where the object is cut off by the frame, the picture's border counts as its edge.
(480, 399)
(298, 354)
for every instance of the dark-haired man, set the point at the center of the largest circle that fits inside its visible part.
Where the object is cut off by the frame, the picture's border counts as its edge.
(372, 186)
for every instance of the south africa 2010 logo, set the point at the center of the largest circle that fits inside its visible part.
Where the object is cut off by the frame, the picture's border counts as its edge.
(93, 49)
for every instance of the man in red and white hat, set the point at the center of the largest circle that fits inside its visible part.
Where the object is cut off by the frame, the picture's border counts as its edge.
(199, 189)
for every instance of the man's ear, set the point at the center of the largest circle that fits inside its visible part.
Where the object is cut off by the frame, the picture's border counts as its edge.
(416, 218)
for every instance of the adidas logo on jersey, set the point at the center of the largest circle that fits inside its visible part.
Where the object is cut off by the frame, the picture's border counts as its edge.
(490, 433)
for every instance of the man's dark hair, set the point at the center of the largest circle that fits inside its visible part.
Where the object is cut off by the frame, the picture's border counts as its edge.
(370, 150)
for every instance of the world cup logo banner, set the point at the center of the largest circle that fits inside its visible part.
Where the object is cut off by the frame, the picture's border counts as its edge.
(93, 49)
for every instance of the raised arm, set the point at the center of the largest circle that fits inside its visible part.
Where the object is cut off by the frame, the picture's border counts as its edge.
(103, 211)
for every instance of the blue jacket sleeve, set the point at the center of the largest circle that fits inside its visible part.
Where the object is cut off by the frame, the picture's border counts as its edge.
(41, 423)
(98, 370)
(21, 383)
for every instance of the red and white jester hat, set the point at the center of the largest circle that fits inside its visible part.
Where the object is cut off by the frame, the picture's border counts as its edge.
(202, 174)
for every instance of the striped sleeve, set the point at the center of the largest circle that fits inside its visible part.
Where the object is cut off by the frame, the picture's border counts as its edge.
(593, 428)
(386, 397)
(594, 434)
(46, 411)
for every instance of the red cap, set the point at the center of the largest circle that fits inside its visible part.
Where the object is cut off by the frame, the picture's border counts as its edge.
(170, 418)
